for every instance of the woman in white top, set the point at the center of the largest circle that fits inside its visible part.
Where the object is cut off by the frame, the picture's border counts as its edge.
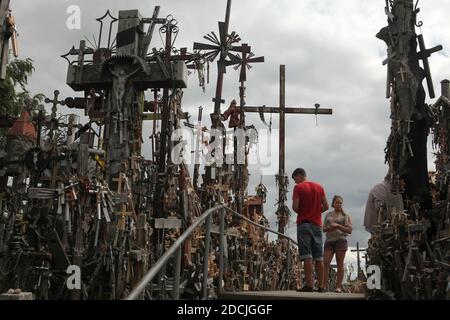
(337, 225)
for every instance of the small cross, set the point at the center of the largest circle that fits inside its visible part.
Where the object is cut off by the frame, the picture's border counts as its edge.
(244, 61)
(55, 103)
(80, 53)
(402, 73)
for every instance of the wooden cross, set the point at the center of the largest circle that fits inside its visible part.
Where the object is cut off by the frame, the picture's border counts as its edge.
(153, 21)
(358, 250)
(424, 54)
(122, 213)
(402, 73)
(4, 40)
(282, 111)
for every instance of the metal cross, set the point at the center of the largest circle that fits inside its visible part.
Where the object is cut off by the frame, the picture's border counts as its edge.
(80, 53)
(222, 46)
(243, 62)
(55, 103)
(153, 21)
(113, 20)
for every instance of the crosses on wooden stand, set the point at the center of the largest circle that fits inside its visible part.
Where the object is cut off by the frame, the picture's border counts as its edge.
(221, 46)
(243, 62)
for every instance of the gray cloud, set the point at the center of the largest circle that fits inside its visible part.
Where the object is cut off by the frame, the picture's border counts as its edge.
(331, 54)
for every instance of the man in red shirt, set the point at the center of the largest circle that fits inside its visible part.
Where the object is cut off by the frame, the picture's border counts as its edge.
(309, 202)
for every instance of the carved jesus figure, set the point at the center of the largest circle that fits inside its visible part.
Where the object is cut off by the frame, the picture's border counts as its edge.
(121, 83)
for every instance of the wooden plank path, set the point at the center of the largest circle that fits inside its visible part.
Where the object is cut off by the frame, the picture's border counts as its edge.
(289, 295)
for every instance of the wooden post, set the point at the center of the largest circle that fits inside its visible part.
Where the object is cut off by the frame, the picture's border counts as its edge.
(282, 119)
(4, 43)
(130, 32)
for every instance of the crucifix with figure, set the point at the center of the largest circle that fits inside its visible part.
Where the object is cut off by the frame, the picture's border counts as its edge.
(283, 211)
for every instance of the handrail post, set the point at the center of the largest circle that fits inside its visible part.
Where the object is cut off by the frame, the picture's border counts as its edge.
(221, 249)
(288, 262)
(206, 258)
(176, 276)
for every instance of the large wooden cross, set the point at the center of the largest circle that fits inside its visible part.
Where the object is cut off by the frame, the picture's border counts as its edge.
(283, 211)
(424, 54)
(4, 37)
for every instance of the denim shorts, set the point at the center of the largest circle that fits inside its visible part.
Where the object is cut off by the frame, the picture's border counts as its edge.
(309, 238)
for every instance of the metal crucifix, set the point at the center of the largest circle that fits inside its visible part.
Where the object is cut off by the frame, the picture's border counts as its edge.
(282, 180)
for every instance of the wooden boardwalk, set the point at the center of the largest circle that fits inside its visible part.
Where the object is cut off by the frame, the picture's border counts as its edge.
(289, 295)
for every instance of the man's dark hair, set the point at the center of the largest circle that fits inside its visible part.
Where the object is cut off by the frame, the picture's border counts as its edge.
(299, 171)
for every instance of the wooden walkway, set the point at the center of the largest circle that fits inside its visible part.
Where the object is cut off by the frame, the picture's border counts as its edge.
(289, 295)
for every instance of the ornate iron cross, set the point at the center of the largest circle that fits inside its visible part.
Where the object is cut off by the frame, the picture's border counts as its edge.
(221, 45)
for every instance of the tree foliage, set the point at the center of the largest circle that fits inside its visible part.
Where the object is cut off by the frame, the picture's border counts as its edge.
(14, 95)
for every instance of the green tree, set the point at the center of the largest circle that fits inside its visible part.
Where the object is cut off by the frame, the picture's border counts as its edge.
(14, 95)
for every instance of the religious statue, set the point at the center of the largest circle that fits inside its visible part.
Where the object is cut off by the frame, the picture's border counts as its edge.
(232, 113)
(120, 84)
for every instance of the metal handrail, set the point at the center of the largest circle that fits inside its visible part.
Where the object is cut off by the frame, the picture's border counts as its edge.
(261, 226)
(175, 248)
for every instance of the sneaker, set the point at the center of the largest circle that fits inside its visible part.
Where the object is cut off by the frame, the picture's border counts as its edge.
(322, 290)
(338, 290)
(305, 289)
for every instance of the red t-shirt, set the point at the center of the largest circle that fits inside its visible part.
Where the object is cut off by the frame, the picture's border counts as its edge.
(310, 202)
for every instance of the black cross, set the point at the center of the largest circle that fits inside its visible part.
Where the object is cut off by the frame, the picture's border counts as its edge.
(80, 53)
(221, 45)
(55, 103)
(423, 55)
(243, 62)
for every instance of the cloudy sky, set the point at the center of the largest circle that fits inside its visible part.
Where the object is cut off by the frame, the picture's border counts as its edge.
(331, 55)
